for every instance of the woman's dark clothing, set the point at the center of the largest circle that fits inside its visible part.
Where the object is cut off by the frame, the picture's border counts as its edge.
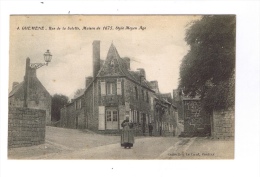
(127, 136)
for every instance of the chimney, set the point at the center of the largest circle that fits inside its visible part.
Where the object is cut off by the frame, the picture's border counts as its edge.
(127, 61)
(96, 57)
(102, 63)
(15, 84)
(154, 85)
(142, 72)
(88, 81)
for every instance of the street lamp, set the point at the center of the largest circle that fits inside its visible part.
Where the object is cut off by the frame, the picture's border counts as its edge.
(31, 68)
(47, 58)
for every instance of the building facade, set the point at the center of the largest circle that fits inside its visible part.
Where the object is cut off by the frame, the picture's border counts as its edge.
(31, 93)
(165, 116)
(112, 94)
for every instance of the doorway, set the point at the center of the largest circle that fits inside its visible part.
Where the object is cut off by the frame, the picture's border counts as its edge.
(111, 119)
(143, 123)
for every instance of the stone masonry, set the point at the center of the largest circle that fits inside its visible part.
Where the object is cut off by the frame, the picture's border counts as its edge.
(223, 123)
(196, 121)
(26, 127)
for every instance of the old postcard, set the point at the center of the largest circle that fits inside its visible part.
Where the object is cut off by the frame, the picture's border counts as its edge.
(122, 87)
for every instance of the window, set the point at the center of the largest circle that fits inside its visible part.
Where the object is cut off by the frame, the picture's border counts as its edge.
(137, 117)
(111, 88)
(111, 117)
(78, 104)
(134, 118)
(147, 97)
(143, 94)
(108, 116)
(115, 116)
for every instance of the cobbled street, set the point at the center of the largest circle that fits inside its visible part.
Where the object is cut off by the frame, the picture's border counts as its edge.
(64, 143)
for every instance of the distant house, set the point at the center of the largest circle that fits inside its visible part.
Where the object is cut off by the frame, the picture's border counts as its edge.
(31, 95)
(166, 115)
(112, 94)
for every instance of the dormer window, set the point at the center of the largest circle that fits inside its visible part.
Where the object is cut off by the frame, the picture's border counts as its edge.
(112, 63)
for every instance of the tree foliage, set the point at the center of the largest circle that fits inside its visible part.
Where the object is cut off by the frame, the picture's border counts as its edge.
(58, 101)
(209, 65)
(78, 93)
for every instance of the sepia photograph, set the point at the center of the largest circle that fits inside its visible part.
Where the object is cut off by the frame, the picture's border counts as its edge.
(129, 88)
(122, 87)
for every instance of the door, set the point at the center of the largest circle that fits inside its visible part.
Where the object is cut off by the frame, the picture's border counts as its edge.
(143, 123)
(76, 122)
(111, 119)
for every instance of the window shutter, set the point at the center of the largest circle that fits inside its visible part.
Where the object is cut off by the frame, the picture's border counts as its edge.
(103, 88)
(101, 118)
(119, 90)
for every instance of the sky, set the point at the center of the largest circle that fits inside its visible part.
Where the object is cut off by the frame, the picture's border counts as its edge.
(158, 47)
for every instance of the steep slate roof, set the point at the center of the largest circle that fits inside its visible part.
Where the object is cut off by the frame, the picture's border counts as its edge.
(20, 85)
(15, 89)
(196, 98)
(132, 75)
(165, 98)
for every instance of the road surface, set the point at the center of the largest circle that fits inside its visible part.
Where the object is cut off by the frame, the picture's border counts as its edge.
(82, 144)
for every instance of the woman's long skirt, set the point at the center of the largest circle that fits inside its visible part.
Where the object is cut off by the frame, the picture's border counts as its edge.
(127, 138)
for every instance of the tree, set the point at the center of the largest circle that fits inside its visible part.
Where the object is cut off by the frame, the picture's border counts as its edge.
(58, 101)
(209, 65)
(78, 93)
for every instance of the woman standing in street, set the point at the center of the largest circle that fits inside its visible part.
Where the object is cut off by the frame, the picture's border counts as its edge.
(127, 136)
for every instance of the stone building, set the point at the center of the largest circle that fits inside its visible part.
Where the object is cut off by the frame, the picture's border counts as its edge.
(165, 115)
(196, 120)
(219, 123)
(112, 94)
(31, 93)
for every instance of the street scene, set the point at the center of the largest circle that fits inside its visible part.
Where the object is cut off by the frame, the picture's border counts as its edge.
(79, 144)
(122, 87)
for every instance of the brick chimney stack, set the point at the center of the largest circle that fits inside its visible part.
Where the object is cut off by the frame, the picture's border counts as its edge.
(142, 72)
(155, 86)
(96, 57)
(88, 81)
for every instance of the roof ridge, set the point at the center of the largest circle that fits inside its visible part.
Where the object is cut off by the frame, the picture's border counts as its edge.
(15, 89)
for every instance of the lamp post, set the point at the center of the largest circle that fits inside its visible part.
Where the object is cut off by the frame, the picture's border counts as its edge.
(47, 58)
(30, 68)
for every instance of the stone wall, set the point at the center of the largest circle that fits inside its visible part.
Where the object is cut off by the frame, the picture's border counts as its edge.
(26, 127)
(72, 116)
(223, 123)
(91, 108)
(130, 96)
(196, 121)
